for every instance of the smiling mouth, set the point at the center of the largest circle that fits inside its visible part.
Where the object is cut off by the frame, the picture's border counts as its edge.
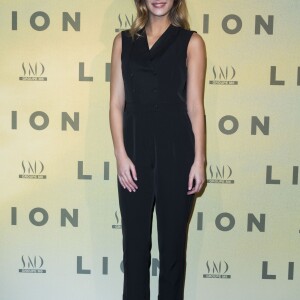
(159, 4)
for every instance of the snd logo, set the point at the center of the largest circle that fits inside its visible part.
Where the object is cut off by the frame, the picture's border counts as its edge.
(32, 264)
(221, 174)
(32, 170)
(215, 270)
(118, 224)
(125, 21)
(33, 72)
(223, 76)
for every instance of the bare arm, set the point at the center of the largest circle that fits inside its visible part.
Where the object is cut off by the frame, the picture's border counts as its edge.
(117, 97)
(196, 63)
(116, 108)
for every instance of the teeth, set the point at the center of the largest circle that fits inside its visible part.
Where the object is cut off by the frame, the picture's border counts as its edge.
(158, 4)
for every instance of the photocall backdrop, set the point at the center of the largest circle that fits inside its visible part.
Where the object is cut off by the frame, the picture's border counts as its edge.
(60, 221)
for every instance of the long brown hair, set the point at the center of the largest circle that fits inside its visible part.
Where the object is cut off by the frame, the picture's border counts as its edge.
(178, 16)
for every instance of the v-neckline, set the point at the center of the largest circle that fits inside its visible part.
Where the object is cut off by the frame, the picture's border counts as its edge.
(158, 40)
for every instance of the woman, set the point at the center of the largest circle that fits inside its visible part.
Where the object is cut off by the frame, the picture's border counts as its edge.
(157, 123)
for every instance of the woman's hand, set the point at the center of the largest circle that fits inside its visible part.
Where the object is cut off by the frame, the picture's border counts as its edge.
(125, 168)
(197, 173)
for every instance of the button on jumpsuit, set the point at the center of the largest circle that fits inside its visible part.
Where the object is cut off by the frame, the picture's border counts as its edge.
(159, 139)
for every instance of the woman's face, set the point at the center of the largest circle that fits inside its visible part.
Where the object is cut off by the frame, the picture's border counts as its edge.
(159, 7)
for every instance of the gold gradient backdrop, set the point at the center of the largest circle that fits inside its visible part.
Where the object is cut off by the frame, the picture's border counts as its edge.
(78, 243)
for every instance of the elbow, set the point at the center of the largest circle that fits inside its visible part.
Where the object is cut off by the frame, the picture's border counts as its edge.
(196, 108)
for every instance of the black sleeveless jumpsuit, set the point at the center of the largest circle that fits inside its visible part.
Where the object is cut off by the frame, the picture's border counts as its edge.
(159, 139)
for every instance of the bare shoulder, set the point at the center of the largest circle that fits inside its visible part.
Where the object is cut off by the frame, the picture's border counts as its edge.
(117, 42)
(196, 44)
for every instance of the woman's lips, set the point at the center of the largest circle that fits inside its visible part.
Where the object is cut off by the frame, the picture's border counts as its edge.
(159, 4)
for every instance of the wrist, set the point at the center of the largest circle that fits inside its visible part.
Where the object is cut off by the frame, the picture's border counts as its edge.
(119, 153)
(200, 160)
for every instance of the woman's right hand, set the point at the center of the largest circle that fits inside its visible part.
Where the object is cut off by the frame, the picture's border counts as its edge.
(125, 168)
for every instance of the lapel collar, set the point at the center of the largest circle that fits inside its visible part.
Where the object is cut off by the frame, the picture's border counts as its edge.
(163, 42)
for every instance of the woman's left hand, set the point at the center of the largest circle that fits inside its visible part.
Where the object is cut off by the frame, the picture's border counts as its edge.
(197, 174)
